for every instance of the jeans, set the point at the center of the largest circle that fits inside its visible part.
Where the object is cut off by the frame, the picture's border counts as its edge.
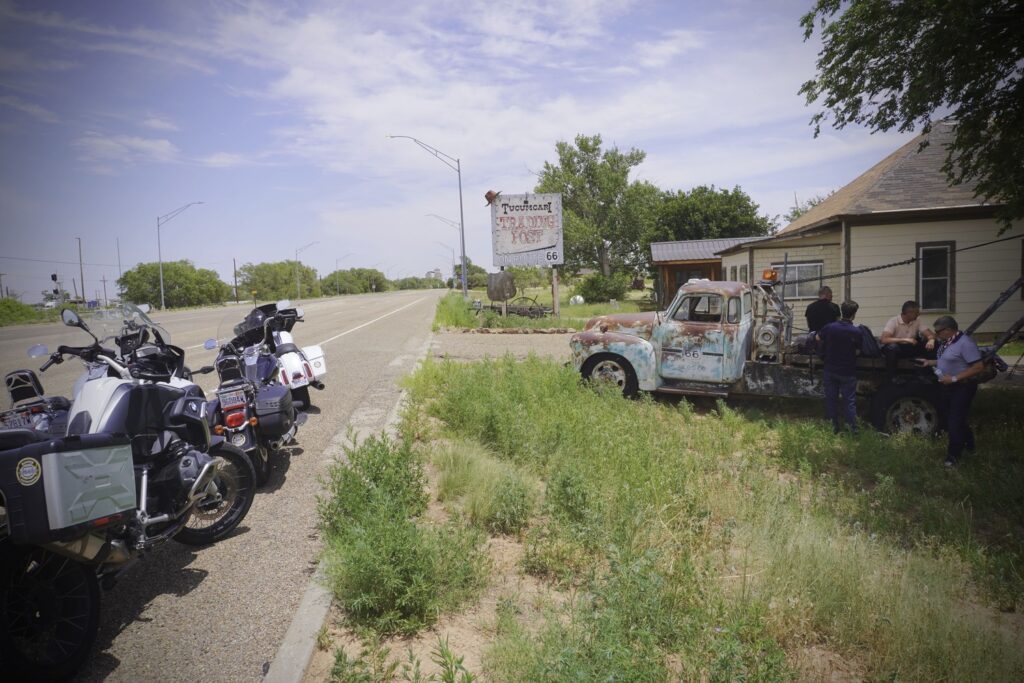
(960, 396)
(894, 352)
(841, 397)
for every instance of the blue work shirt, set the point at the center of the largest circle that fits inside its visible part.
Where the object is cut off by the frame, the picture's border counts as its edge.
(839, 343)
(958, 354)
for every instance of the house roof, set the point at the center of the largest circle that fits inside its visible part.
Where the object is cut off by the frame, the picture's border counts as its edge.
(906, 180)
(694, 250)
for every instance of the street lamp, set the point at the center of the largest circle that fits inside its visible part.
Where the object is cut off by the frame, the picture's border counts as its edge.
(457, 167)
(298, 292)
(160, 220)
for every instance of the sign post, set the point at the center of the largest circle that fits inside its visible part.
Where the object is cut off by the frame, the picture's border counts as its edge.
(526, 230)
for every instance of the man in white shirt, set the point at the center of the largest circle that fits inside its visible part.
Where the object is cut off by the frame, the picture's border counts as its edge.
(906, 336)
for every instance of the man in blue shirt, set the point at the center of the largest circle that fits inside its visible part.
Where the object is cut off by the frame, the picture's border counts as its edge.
(958, 362)
(839, 343)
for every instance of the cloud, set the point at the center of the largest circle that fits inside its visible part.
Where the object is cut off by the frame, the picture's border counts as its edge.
(109, 151)
(18, 61)
(33, 110)
(658, 53)
(159, 123)
(225, 160)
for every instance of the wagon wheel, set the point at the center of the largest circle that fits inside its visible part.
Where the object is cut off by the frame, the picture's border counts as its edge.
(526, 306)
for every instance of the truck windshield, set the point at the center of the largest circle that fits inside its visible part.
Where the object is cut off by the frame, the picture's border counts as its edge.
(700, 308)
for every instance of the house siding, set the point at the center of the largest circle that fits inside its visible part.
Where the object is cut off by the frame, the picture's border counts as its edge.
(823, 248)
(980, 274)
(734, 260)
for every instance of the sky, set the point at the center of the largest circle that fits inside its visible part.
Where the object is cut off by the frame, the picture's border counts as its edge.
(276, 115)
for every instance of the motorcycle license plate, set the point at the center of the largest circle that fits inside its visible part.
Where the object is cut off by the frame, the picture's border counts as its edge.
(15, 420)
(232, 399)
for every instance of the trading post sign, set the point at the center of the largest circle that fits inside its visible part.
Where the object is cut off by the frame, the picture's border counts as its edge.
(526, 229)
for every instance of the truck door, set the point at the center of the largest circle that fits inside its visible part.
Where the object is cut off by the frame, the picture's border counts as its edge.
(691, 339)
(738, 334)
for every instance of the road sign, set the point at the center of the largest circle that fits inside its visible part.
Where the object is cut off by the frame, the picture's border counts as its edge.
(526, 230)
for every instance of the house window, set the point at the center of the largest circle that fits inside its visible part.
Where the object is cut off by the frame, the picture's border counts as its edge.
(935, 275)
(811, 272)
(732, 273)
(743, 274)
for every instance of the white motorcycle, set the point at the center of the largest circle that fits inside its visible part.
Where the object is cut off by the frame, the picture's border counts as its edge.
(298, 368)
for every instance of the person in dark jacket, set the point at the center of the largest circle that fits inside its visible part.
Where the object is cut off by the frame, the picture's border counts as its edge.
(821, 312)
(839, 343)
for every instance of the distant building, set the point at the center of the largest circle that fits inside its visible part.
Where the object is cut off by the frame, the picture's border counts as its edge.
(434, 274)
(677, 262)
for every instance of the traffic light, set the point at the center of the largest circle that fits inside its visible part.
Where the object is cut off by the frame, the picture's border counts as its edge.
(56, 291)
(53, 276)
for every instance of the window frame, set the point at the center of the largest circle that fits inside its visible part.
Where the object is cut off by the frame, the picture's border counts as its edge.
(744, 274)
(950, 246)
(700, 295)
(779, 267)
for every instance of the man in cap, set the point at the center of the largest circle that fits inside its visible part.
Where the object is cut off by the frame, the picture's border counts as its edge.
(958, 363)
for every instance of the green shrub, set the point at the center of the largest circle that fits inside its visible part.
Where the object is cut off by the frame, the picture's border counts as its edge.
(597, 287)
(13, 312)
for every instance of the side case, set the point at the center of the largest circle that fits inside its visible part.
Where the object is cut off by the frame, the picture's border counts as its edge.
(317, 360)
(274, 410)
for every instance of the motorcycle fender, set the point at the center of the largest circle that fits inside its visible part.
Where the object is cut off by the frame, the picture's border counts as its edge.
(317, 361)
(291, 363)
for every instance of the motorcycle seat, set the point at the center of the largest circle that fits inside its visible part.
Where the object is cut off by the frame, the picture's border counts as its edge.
(285, 348)
(18, 437)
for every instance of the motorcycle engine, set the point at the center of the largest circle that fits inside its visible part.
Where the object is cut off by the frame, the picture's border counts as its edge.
(170, 485)
(189, 467)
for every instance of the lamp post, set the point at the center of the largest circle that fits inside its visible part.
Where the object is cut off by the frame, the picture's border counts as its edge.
(298, 291)
(457, 167)
(160, 220)
(453, 257)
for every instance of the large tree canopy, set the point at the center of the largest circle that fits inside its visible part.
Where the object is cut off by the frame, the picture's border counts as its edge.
(705, 213)
(892, 64)
(184, 285)
(277, 281)
(601, 217)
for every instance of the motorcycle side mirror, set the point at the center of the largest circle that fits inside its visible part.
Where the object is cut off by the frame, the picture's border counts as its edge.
(210, 344)
(145, 308)
(38, 351)
(71, 318)
(298, 311)
(283, 303)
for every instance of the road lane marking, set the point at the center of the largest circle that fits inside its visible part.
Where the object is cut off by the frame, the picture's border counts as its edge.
(359, 327)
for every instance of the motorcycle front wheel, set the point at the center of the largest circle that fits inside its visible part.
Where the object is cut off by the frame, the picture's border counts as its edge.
(235, 481)
(49, 613)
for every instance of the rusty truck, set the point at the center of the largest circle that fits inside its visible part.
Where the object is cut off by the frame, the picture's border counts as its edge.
(723, 339)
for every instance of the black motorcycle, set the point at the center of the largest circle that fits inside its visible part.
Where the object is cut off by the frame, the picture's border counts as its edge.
(251, 409)
(137, 467)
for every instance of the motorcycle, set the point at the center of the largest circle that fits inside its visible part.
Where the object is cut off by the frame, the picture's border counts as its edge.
(31, 408)
(299, 367)
(250, 409)
(137, 467)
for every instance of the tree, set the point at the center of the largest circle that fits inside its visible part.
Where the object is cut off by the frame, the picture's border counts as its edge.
(184, 285)
(277, 280)
(705, 213)
(890, 64)
(598, 218)
(799, 209)
(476, 276)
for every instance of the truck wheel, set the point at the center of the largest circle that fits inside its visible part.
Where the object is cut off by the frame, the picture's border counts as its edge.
(911, 408)
(610, 369)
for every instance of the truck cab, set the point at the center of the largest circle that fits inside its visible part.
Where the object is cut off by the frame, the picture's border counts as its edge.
(698, 345)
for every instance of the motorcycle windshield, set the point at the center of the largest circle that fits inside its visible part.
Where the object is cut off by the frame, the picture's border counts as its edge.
(241, 331)
(108, 323)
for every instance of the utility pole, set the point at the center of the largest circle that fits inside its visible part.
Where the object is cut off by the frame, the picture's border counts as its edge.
(104, 281)
(234, 270)
(2, 282)
(74, 287)
(81, 275)
(117, 240)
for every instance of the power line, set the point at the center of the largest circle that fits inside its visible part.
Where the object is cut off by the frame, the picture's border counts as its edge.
(70, 263)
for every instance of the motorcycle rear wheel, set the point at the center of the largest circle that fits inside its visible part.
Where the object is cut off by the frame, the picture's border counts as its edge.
(236, 482)
(49, 613)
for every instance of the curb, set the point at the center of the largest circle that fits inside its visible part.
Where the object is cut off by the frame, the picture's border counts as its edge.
(296, 650)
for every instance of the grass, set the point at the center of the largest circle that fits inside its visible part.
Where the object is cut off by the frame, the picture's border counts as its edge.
(721, 546)
(14, 312)
(454, 312)
(388, 571)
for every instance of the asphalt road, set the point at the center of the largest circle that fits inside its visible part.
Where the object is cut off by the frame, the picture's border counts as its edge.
(219, 613)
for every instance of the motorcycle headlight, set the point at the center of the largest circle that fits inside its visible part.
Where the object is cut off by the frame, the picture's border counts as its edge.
(238, 439)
